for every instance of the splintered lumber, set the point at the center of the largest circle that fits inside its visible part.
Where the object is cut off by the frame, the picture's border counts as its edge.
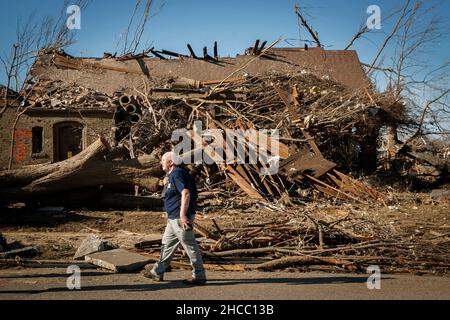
(306, 161)
(66, 62)
(223, 267)
(212, 219)
(364, 188)
(323, 186)
(204, 232)
(242, 252)
(231, 171)
(286, 262)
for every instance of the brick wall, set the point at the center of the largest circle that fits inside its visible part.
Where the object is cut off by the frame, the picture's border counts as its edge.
(94, 123)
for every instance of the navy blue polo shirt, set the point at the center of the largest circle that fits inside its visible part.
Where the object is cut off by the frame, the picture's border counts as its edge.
(179, 179)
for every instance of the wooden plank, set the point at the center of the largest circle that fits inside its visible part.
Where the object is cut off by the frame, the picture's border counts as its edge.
(332, 188)
(242, 183)
(79, 64)
(232, 173)
(330, 192)
(306, 161)
(312, 143)
(286, 101)
(283, 150)
(263, 180)
(237, 173)
(341, 184)
(204, 232)
(350, 183)
(375, 194)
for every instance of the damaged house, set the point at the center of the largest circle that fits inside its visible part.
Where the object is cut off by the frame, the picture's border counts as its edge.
(74, 100)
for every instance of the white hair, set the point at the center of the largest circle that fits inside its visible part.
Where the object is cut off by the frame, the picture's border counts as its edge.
(176, 159)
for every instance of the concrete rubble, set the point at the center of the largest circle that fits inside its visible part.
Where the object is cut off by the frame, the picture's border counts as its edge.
(118, 260)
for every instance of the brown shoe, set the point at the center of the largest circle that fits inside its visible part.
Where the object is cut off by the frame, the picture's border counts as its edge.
(152, 275)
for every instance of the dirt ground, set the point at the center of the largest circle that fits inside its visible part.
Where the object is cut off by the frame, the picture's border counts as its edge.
(57, 235)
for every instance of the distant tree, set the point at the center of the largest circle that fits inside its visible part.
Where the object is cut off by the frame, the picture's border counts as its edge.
(32, 35)
(414, 81)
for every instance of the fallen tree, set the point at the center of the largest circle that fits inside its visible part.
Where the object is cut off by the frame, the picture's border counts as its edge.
(87, 169)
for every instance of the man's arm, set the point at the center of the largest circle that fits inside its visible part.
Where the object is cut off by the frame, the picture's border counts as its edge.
(185, 198)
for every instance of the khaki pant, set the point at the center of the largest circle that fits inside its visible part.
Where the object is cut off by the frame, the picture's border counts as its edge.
(174, 235)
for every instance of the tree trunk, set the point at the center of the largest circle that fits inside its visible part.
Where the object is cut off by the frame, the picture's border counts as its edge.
(26, 175)
(87, 169)
(392, 141)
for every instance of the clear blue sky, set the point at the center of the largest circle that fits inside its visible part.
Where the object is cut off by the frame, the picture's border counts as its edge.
(234, 24)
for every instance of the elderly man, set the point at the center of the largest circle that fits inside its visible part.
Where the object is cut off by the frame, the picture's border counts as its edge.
(180, 204)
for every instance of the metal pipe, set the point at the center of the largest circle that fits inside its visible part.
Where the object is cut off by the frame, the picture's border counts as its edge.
(124, 100)
(135, 117)
(131, 108)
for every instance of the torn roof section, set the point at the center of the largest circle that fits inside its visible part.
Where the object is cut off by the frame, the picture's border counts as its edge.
(110, 75)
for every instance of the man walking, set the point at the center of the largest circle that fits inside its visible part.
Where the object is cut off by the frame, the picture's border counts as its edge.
(180, 204)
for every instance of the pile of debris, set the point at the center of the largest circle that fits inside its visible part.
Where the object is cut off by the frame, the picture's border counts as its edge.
(15, 249)
(300, 106)
(310, 114)
(303, 125)
(58, 95)
(327, 238)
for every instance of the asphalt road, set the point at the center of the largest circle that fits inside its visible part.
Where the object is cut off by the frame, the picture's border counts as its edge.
(44, 283)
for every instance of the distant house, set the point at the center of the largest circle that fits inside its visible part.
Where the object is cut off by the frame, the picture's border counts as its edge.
(55, 127)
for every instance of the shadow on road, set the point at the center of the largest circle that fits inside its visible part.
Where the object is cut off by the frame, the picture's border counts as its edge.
(148, 285)
(57, 275)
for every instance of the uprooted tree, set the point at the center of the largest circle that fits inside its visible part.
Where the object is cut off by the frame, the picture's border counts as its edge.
(417, 86)
(90, 168)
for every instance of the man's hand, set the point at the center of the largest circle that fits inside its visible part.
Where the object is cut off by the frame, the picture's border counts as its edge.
(185, 197)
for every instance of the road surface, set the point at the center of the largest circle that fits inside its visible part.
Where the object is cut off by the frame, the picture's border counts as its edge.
(51, 283)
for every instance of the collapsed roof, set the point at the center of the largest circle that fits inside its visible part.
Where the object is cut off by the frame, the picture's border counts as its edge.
(109, 75)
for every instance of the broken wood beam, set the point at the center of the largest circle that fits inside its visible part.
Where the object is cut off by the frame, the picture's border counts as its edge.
(193, 55)
(255, 47)
(171, 53)
(230, 170)
(286, 262)
(216, 55)
(156, 54)
(332, 188)
(205, 232)
(148, 244)
(262, 47)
